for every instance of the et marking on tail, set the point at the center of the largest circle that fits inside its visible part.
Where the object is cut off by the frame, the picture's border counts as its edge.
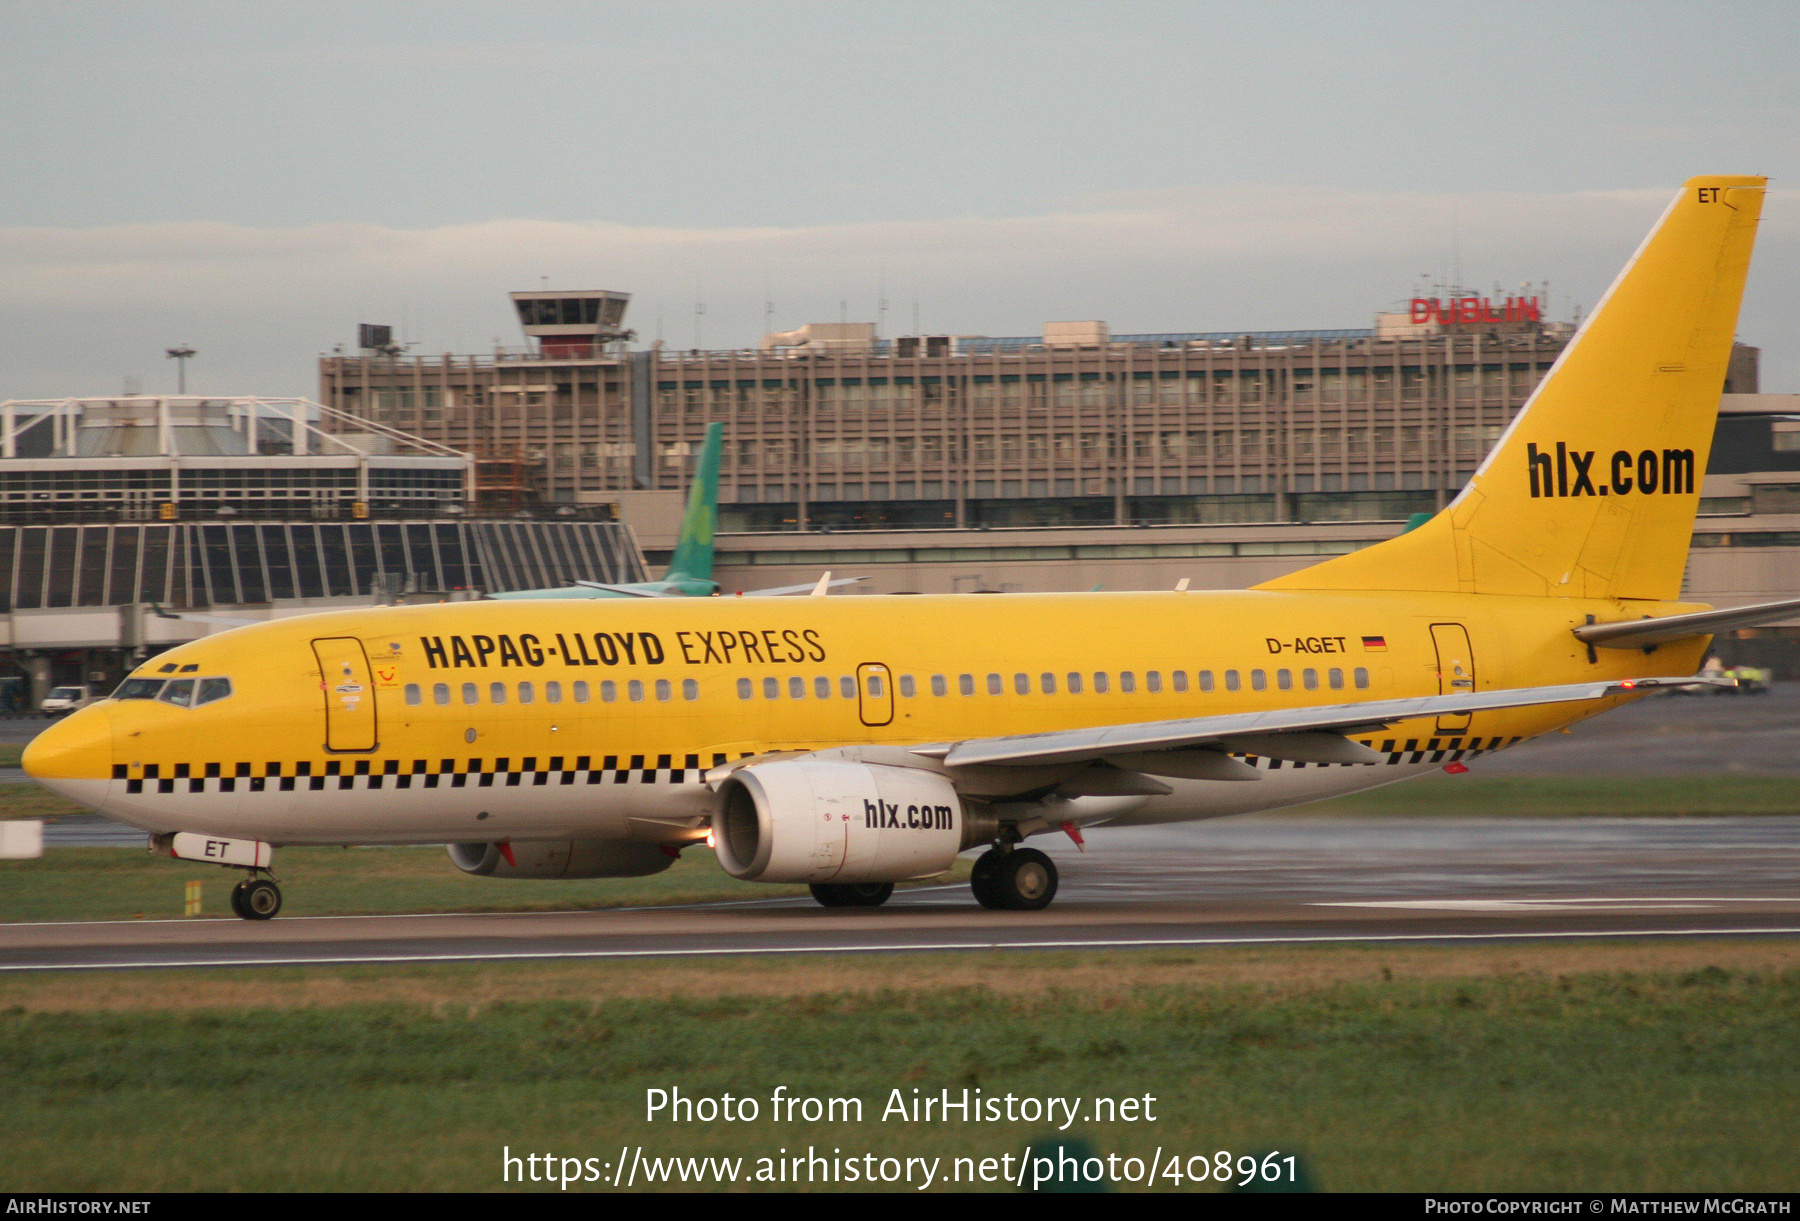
(1591, 493)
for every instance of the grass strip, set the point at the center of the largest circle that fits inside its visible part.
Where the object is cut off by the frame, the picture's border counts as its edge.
(1667, 1078)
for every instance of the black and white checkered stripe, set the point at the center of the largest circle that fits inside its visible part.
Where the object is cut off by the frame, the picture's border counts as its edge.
(371, 774)
(1412, 750)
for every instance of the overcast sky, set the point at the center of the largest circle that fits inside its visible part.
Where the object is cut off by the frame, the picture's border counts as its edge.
(254, 180)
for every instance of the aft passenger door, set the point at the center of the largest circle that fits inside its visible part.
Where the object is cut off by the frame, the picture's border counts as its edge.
(1456, 670)
(875, 693)
(349, 693)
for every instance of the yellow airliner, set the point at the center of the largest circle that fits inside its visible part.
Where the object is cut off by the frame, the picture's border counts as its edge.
(851, 743)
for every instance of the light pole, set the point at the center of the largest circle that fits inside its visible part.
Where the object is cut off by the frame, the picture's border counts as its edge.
(180, 356)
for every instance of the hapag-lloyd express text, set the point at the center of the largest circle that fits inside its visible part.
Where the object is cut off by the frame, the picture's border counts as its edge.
(765, 646)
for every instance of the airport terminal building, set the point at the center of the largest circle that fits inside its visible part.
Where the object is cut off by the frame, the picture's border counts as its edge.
(831, 427)
(120, 516)
(1071, 459)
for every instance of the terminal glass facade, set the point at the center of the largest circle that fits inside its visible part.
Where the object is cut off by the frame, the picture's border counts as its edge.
(186, 565)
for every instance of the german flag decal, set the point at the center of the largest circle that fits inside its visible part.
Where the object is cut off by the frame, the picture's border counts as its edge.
(1374, 644)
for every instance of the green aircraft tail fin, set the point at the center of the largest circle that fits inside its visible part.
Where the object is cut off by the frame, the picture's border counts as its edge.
(694, 547)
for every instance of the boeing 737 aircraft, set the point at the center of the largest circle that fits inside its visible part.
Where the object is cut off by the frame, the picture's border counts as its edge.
(851, 743)
(691, 567)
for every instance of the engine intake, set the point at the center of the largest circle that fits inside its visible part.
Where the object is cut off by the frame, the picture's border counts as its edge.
(561, 858)
(821, 820)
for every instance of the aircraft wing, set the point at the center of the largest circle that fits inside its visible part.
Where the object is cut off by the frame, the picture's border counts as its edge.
(629, 591)
(1312, 733)
(1641, 633)
(233, 620)
(811, 587)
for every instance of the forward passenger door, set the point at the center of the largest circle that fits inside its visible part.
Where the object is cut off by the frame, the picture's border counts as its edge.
(349, 691)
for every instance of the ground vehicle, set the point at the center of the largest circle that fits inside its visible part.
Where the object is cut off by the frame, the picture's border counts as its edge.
(63, 700)
(1750, 680)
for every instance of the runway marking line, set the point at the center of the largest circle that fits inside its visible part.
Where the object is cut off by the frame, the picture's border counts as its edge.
(1110, 943)
(568, 911)
(1551, 904)
(1547, 904)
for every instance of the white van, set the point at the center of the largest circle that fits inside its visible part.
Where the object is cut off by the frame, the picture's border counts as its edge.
(63, 700)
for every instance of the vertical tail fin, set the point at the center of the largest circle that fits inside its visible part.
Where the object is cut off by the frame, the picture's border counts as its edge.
(1592, 491)
(694, 545)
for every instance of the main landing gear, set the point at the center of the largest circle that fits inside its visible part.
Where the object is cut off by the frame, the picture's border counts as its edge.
(1009, 878)
(1006, 878)
(852, 894)
(256, 898)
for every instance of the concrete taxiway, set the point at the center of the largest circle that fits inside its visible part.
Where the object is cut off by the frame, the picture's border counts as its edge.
(1245, 881)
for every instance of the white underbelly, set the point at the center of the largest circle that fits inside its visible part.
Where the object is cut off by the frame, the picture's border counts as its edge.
(413, 809)
(647, 804)
(1278, 787)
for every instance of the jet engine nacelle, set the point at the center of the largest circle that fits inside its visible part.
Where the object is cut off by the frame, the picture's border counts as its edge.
(821, 820)
(562, 858)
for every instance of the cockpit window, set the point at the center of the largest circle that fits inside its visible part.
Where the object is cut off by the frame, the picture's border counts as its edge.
(182, 692)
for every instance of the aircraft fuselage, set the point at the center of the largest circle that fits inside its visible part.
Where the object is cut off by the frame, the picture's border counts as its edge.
(599, 720)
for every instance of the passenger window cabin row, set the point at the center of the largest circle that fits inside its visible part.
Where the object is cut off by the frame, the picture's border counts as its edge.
(1130, 682)
(1099, 682)
(552, 692)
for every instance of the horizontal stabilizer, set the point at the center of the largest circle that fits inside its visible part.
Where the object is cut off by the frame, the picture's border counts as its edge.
(1310, 724)
(1641, 633)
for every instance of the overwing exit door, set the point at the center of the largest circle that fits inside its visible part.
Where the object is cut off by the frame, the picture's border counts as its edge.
(349, 692)
(1456, 670)
(875, 693)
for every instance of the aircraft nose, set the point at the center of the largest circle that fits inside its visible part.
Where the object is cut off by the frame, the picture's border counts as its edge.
(78, 747)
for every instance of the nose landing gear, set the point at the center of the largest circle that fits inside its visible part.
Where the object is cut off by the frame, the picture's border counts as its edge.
(256, 898)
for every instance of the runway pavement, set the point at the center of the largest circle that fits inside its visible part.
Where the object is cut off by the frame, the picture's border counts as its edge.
(1266, 879)
(1229, 882)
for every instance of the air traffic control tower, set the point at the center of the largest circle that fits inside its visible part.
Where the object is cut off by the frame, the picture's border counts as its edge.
(573, 324)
